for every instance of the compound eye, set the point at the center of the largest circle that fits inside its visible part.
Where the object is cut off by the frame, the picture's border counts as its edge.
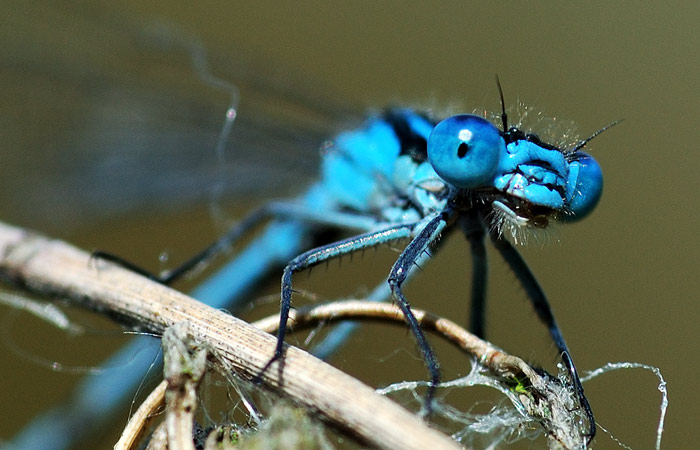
(465, 150)
(584, 188)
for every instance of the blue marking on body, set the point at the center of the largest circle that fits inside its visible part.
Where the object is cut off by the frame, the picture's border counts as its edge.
(533, 173)
(352, 170)
(420, 125)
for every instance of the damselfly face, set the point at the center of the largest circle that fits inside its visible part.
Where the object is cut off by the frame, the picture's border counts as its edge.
(528, 181)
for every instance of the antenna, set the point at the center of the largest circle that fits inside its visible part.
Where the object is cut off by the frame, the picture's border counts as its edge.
(583, 142)
(504, 116)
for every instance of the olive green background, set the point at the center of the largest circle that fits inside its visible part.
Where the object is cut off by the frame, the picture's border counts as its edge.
(623, 282)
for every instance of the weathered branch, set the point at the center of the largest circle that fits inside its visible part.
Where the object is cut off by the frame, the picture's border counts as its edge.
(55, 268)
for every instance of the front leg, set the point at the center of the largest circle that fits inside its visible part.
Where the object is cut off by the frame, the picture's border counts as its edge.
(324, 253)
(402, 267)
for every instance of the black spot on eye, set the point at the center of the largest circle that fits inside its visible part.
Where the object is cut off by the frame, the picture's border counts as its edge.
(462, 150)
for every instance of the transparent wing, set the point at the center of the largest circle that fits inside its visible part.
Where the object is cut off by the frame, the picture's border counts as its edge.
(103, 117)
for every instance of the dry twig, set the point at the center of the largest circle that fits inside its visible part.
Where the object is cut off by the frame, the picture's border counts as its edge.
(54, 268)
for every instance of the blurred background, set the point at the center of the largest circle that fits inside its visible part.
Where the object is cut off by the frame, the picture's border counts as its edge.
(109, 135)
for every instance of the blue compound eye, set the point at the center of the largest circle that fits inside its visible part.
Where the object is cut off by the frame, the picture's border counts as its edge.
(584, 187)
(465, 150)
